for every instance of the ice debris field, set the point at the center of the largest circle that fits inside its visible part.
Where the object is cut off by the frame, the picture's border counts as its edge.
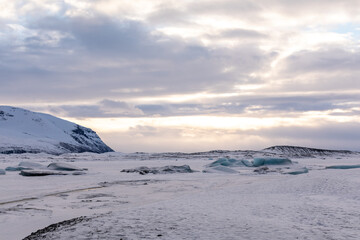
(290, 194)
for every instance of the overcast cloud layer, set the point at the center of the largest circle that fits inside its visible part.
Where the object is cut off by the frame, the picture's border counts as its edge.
(273, 71)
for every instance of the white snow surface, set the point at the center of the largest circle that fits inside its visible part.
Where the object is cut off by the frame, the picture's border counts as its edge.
(321, 204)
(25, 131)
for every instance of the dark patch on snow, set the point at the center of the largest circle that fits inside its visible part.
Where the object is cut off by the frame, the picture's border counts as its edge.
(94, 195)
(45, 232)
(3, 115)
(80, 131)
(17, 150)
(40, 173)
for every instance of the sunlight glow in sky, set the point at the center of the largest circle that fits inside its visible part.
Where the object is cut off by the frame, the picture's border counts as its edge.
(188, 75)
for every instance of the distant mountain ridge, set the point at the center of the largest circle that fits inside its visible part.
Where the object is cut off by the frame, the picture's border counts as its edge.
(23, 131)
(297, 151)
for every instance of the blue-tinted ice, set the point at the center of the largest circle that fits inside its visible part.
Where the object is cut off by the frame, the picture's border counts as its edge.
(225, 165)
(227, 162)
(343, 166)
(257, 162)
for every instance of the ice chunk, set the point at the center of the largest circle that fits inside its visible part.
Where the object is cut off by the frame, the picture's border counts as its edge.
(228, 162)
(37, 173)
(160, 170)
(257, 162)
(64, 167)
(2, 172)
(343, 166)
(30, 165)
(219, 169)
(247, 163)
(25, 166)
(13, 169)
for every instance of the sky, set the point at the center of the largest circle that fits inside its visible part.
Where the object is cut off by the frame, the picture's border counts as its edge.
(188, 76)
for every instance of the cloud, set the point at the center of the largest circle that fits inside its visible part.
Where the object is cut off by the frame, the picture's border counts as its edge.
(82, 58)
(120, 59)
(103, 109)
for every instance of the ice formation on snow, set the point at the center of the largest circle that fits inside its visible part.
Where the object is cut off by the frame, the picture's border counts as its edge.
(160, 170)
(25, 166)
(219, 169)
(343, 166)
(295, 171)
(35, 169)
(257, 162)
(261, 166)
(228, 162)
(64, 167)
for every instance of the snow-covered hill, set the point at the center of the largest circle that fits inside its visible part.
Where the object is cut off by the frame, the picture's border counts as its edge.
(294, 151)
(25, 131)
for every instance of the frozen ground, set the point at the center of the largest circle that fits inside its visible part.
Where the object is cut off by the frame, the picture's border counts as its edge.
(106, 203)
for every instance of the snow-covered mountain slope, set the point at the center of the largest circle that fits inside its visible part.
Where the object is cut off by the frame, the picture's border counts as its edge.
(25, 131)
(294, 151)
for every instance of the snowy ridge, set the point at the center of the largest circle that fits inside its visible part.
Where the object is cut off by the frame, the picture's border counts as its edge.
(23, 131)
(295, 151)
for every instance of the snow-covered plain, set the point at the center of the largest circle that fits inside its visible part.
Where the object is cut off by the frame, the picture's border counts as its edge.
(106, 203)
